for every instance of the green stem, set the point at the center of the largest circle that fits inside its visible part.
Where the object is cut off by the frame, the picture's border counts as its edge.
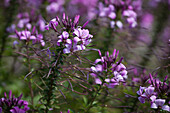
(51, 82)
(50, 92)
(29, 82)
(91, 103)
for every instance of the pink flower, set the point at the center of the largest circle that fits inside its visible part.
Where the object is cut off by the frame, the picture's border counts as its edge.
(160, 103)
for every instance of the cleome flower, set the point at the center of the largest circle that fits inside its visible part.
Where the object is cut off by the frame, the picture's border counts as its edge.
(12, 104)
(118, 11)
(146, 93)
(153, 93)
(159, 103)
(65, 23)
(107, 71)
(71, 37)
(28, 36)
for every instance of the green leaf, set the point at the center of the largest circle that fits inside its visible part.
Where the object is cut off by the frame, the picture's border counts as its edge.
(85, 100)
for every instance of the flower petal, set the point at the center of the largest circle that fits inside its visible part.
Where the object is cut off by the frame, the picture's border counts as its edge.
(166, 108)
(98, 81)
(154, 106)
(141, 99)
(159, 102)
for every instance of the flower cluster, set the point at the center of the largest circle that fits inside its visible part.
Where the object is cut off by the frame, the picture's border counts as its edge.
(26, 21)
(126, 9)
(27, 36)
(154, 92)
(12, 104)
(109, 72)
(65, 23)
(72, 37)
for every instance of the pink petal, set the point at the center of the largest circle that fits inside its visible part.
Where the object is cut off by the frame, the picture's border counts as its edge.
(166, 108)
(98, 81)
(154, 106)
(112, 15)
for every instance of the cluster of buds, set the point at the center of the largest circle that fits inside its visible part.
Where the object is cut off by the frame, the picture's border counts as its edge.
(109, 72)
(12, 104)
(154, 92)
(111, 9)
(71, 36)
(28, 36)
(140, 76)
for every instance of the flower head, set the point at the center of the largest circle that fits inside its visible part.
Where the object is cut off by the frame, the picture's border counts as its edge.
(116, 71)
(12, 104)
(155, 90)
(28, 36)
(159, 103)
(118, 11)
(66, 23)
(71, 36)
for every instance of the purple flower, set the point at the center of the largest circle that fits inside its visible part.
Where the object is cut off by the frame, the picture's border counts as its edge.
(39, 38)
(116, 71)
(51, 24)
(161, 87)
(159, 103)
(27, 35)
(66, 23)
(118, 24)
(24, 22)
(71, 45)
(73, 48)
(48, 53)
(17, 110)
(23, 15)
(131, 17)
(107, 11)
(120, 72)
(141, 90)
(156, 89)
(41, 24)
(147, 20)
(64, 38)
(72, 37)
(127, 9)
(11, 29)
(12, 104)
(83, 36)
(15, 43)
(146, 93)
